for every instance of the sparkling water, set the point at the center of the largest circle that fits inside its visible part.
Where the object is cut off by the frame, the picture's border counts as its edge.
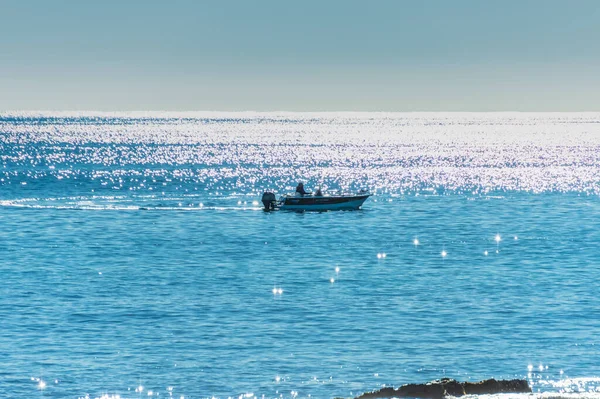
(137, 261)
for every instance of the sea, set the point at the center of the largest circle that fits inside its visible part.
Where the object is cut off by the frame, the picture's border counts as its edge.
(136, 260)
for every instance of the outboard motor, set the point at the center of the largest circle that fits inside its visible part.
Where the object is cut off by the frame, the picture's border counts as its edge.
(269, 201)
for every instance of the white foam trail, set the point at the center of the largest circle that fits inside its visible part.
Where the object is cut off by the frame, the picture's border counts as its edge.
(98, 207)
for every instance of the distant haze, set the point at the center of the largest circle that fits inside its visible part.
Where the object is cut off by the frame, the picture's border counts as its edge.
(300, 56)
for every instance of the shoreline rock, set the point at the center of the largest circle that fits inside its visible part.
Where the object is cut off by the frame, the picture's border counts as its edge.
(438, 389)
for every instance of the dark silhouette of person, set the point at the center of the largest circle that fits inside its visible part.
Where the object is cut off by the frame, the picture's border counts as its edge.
(300, 189)
(319, 193)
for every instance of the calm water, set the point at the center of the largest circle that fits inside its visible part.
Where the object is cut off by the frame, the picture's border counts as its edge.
(136, 261)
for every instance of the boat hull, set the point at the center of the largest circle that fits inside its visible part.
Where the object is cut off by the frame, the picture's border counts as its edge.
(322, 203)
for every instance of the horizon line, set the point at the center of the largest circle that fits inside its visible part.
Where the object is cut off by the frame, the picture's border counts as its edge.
(91, 111)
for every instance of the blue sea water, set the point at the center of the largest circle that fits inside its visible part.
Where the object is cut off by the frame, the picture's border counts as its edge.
(136, 260)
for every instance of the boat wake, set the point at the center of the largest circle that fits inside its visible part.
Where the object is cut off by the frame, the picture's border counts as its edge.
(112, 204)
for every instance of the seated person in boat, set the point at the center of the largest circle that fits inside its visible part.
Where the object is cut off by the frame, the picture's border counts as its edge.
(318, 193)
(300, 190)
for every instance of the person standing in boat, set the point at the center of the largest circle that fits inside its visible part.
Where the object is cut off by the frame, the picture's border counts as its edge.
(300, 190)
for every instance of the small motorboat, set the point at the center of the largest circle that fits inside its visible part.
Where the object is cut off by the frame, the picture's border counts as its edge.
(314, 202)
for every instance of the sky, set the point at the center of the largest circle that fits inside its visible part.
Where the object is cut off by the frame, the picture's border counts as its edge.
(308, 55)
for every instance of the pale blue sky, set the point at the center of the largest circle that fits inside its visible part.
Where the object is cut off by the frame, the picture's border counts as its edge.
(461, 55)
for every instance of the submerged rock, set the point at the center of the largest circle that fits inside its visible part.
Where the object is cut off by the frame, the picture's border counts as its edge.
(449, 387)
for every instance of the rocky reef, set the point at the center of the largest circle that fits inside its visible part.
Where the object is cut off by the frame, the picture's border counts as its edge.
(438, 389)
